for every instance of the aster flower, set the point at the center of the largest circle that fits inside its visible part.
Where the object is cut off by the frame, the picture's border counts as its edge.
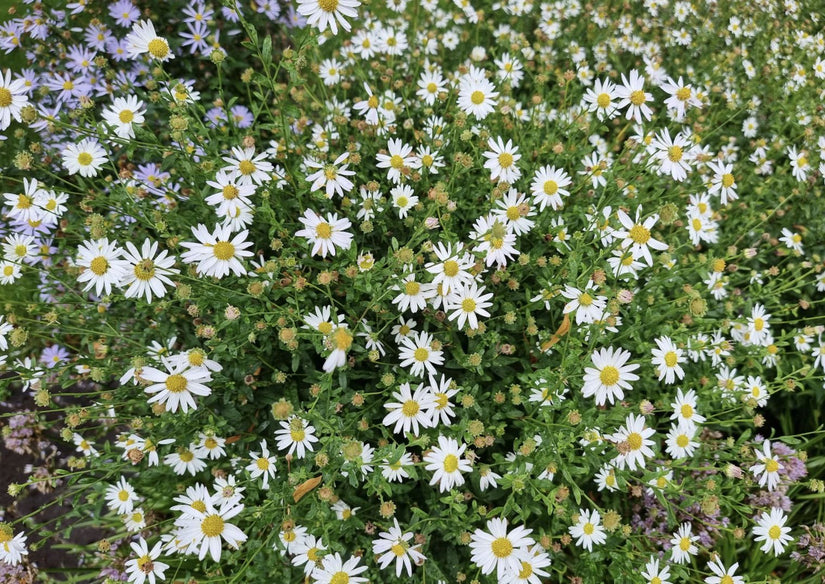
(144, 40)
(103, 263)
(176, 386)
(217, 253)
(588, 529)
(770, 529)
(446, 463)
(324, 14)
(393, 545)
(325, 235)
(499, 550)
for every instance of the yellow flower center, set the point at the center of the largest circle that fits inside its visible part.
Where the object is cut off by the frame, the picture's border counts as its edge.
(775, 532)
(682, 441)
(687, 411)
(323, 230)
(398, 550)
(68, 85)
(24, 202)
(84, 159)
(412, 288)
(176, 383)
(210, 443)
(297, 435)
(289, 535)
(450, 268)
(609, 375)
(223, 250)
(372, 102)
(727, 180)
(726, 579)
(8, 270)
(158, 48)
(144, 270)
(758, 324)
(421, 354)
(145, 565)
(450, 463)
(505, 159)
(697, 224)
(655, 580)
(585, 299)
(99, 265)
(410, 408)
(212, 526)
(342, 339)
(21, 250)
(402, 201)
(640, 234)
(123, 495)
(674, 153)
(802, 162)
(684, 544)
(427, 160)
(637, 97)
(551, 187)
(661, 482)
(634, 440)
(477, 97)
(683, 94)
(126, 116)
(513, 213)
(603, 100)
(441, 400)
(502, 547)
(198, 506)
(432, 87)
(246, 167)
(230, 192)
(325, 328)
(5, 97)
(338, 577)
(771, 465)
(262, 463)
(396, 161)
(468, 305)
(312, 554)
(671, 359)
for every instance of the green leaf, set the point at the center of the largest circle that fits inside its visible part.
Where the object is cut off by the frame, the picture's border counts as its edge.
(266, 50)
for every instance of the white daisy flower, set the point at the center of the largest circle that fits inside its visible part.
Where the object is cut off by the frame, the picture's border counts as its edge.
(148, 272)
(325, 235)
(633, 443)
(185, 460)
(683, 544)
(548, 187)
(394, 471)
(103, 265)
(666, 359)
(217, 253)
(86, 157)
(22, 206)
(610, 376)
(410, 410)
(684, 408)
(332, 177)
(680, 442)
(477, 96)
(723, 575)
(588, 308)
(12, 98)
(176, 386)
(653, 574)
(413, 295)
(499, 550)
(632, 96)
(771, 530)
(502, 160)
(636, 236)
(248, 168)
(308, 553)
(451, 269)
(514, 210)
(333, 570)
(442, 391)
(121, 497)
(767, 467)
(324, 14)
(588, 529)
(296, 435)
(262, 465)
(466, 303)
(418, 354)
(207, 529)
(145, 566)
(393, 545)
(123, 114)
(144, 40)
(400, 156)
(446, 462)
